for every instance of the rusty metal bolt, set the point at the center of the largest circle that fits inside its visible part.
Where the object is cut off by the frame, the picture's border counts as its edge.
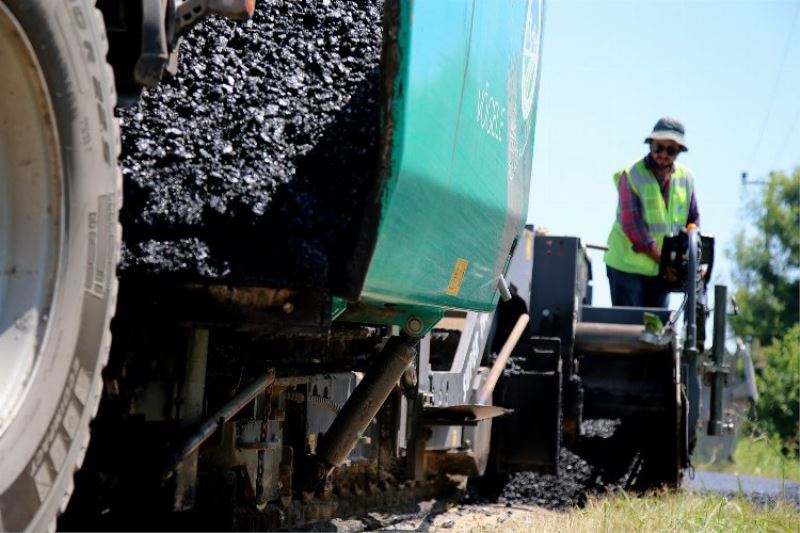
(414, 326)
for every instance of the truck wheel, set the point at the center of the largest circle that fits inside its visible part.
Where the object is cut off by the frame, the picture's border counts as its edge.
(60, 191)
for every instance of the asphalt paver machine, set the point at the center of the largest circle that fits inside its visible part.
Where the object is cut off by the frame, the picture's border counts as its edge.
(618, 385)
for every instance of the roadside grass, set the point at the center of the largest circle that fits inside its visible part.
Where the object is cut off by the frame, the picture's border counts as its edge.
(757, 455)
(666, 511)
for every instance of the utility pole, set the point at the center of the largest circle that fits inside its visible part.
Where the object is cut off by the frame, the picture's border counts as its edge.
(746, 181)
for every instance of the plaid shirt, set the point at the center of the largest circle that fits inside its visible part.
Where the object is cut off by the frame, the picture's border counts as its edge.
(632, 219)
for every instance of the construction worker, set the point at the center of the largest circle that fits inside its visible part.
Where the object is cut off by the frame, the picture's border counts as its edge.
(656, 199)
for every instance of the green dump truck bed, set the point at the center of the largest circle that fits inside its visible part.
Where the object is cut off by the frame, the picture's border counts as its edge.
(461, 124)
(396, 177)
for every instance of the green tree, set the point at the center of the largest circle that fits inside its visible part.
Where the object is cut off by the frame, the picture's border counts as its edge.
(767, 279)
(778, 408)
(767, 259)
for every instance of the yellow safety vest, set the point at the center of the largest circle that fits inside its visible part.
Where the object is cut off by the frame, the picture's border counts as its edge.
(660, 220)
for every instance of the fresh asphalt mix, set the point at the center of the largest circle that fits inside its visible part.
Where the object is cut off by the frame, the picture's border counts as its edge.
(251, 165)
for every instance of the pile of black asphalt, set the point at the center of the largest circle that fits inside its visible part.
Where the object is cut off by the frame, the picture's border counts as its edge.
(576, 479)
(580, 477)
(569, 488)
(252, 164)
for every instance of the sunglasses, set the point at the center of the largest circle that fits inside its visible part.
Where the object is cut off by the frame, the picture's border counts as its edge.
(670, 150)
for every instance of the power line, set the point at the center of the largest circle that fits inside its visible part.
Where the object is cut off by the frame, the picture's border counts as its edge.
(779, 153)
(775, 86)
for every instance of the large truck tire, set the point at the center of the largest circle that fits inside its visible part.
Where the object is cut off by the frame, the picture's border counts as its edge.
(60, 191)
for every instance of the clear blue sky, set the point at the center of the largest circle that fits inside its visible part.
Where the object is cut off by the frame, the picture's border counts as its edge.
(729, 70)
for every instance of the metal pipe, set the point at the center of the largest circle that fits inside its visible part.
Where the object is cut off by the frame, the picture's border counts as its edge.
(485, 392)
(193, 394)
(619, 339)
(222, 415)
(368, 397)
(502, 286)
(718, 356)
(689, 355)
(194, 386)
(690, 348)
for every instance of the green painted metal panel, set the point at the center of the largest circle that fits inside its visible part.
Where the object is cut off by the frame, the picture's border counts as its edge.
(463, 115)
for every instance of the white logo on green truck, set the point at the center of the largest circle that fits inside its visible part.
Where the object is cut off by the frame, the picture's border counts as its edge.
(530, 55)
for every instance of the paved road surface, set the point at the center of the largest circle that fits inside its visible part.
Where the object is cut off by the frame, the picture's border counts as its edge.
(757, 488)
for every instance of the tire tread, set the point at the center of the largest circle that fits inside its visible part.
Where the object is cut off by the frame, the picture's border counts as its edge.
(97, 392)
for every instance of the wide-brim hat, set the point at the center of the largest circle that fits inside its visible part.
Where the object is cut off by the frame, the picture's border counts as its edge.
(668, 129)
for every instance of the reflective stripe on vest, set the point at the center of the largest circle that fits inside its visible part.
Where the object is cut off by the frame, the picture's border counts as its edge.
(661, 220)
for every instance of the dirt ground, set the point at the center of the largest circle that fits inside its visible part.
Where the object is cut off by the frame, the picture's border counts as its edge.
(433, 515)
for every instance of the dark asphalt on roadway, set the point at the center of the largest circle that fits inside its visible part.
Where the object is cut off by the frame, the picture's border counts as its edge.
(758, 489)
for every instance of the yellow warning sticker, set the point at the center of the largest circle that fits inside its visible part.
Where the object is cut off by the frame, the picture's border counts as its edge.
(528, 245)
(457, 277)
(312, 442)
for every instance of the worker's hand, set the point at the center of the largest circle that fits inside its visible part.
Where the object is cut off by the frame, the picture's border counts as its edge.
(655, 255)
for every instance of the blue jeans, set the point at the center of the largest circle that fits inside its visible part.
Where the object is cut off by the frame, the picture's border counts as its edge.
(635, 290)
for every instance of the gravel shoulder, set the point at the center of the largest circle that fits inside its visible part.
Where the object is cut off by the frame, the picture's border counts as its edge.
(445, 515)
